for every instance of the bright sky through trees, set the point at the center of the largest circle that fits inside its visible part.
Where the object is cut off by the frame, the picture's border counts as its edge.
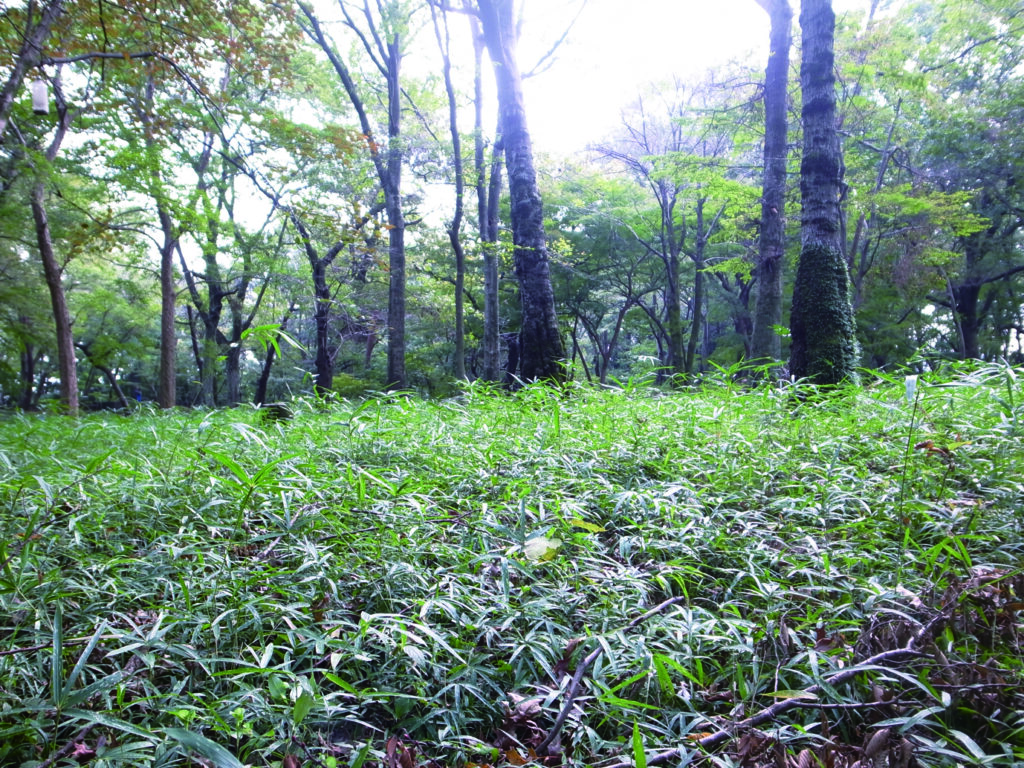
(618, 46)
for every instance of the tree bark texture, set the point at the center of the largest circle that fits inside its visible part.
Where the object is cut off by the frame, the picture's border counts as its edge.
(392, 184)
(66, 361)
(167, 395)
(765, 342)
(824, 343)
(542, 353)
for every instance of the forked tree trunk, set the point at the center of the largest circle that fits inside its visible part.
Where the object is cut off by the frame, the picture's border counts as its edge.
(542, 353)
(765, 343)
(824, 343)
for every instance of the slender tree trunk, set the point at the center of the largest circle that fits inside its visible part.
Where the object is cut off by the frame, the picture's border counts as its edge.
(542, 352)
(674, 318)
(454, 227)
(268, 360)
(167, 394)
(696, 323)
(765, 343)
(385, 48)
(487, 195)
(324, 362)
(397, 377)
(824, 343)
(492, 255)
(66, 362)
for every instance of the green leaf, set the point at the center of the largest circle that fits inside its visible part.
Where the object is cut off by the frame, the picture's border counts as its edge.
(639, 757)
(302, 707)
(109, 721)
(211, 750)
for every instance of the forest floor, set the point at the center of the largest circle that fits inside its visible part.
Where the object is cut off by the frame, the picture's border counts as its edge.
(718, 576)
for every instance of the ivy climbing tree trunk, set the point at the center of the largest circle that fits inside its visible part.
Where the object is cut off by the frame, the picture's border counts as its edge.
(542, 354)
(765, 342)
(824, 343)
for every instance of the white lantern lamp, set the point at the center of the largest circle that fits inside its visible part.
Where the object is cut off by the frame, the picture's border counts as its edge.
(40, 97)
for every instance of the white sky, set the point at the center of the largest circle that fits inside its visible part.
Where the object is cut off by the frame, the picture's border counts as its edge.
(617, 46)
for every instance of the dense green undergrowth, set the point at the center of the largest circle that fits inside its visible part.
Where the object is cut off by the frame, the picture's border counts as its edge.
(403, 582)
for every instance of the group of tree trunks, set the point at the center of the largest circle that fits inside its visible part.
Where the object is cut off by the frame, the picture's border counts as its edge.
(823, 348)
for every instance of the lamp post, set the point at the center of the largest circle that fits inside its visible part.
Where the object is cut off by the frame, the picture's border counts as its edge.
(40, 97)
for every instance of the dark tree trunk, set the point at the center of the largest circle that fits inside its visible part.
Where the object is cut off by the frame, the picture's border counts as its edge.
(512, 363)
(397, 378)
(324, 362)
(824, 343)
(28, 377)
(66, 362)
(542, 353)
(268, 360)
(697, 322)
(166, 394)
(765, 342)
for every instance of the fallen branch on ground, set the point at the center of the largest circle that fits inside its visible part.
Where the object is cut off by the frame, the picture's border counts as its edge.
(581, 669)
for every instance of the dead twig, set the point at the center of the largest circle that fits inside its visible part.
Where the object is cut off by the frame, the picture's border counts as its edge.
(912, 649)
(581, 669)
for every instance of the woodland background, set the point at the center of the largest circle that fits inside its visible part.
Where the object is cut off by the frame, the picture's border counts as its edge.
(224, 144)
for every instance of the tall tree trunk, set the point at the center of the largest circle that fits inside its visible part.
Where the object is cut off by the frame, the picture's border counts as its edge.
(765, 342)
(824, 343)
(397, 377)
(454, 227)
(488, 192)
(52, 270)
(697, 322)
(542, 353)
(66, 362)
(166, 393)
(385, 49)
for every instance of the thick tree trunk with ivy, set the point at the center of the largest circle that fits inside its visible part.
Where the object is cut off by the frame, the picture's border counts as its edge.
(765, 343)
(542, 353)
(824, 343)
